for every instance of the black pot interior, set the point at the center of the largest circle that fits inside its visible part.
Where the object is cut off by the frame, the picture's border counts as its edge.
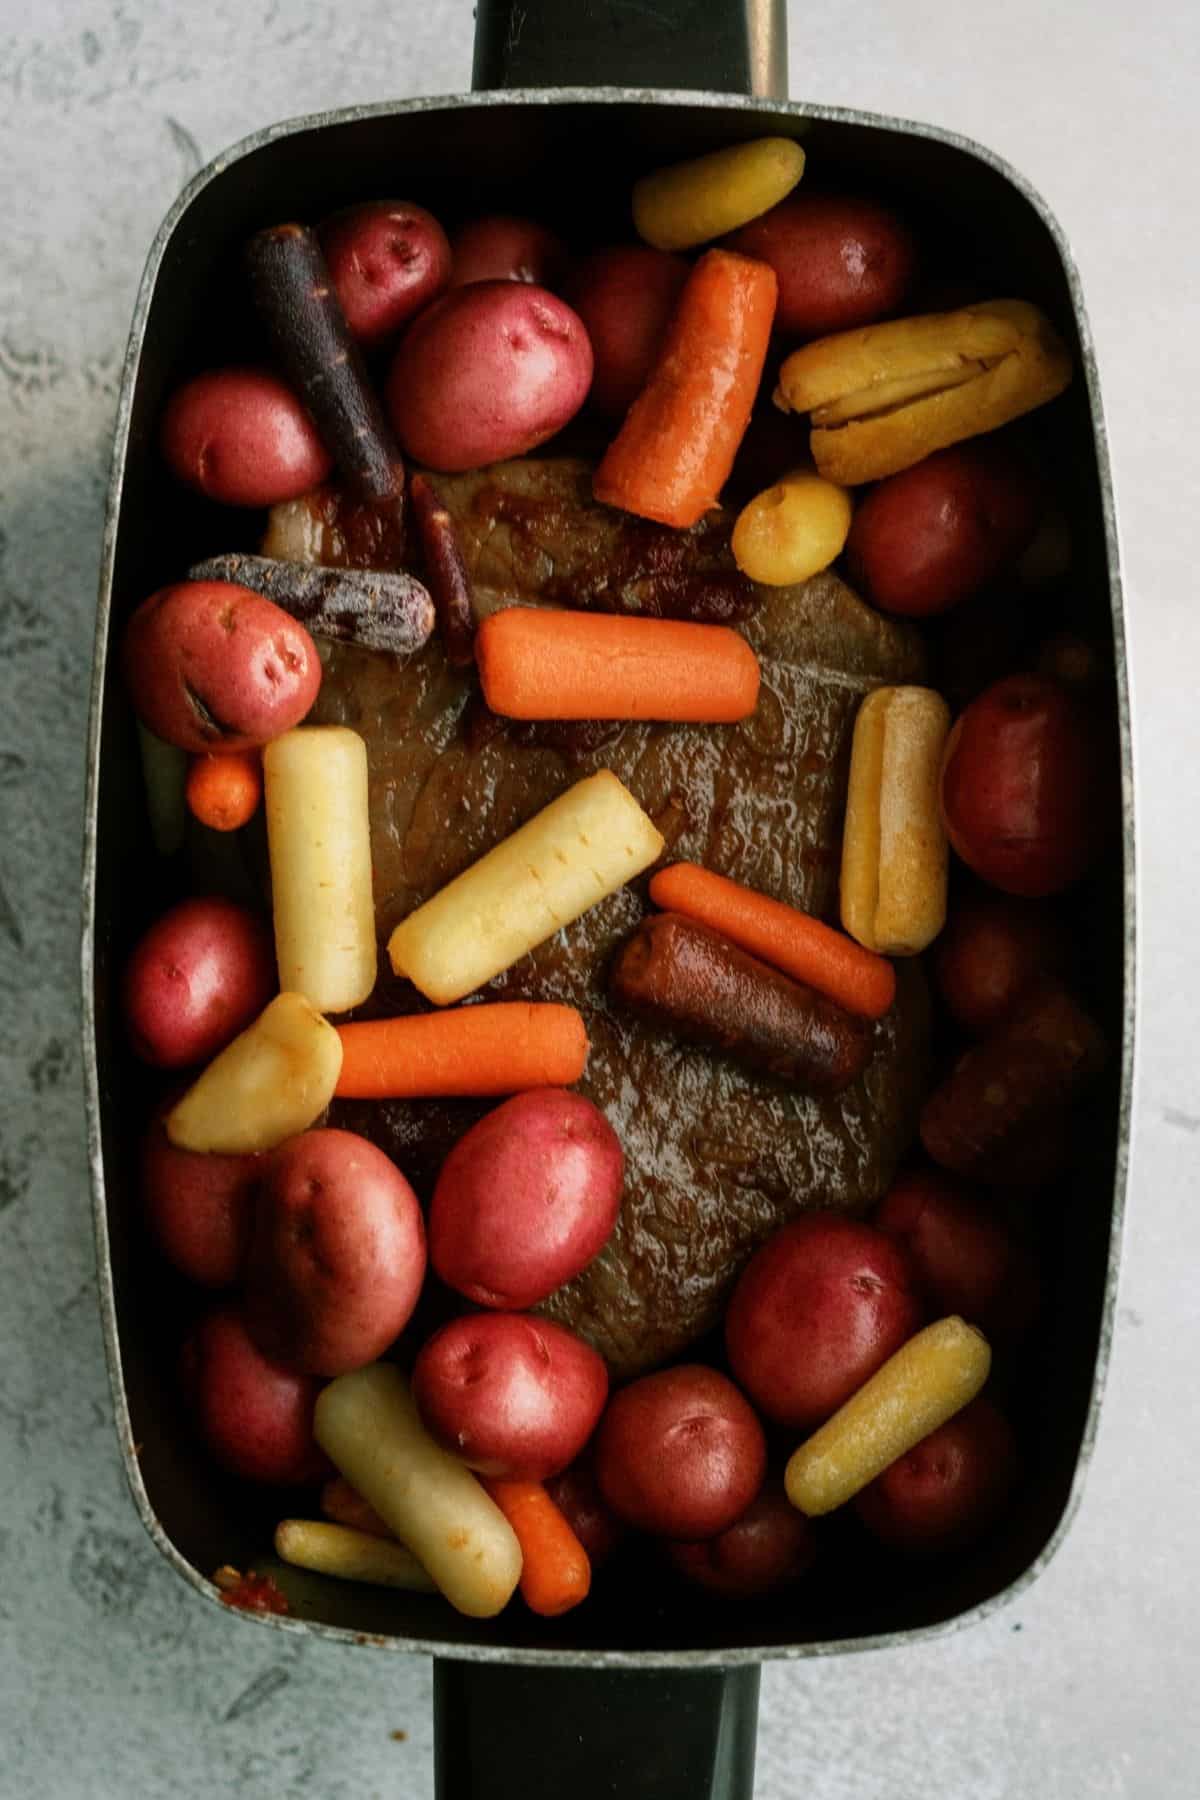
(571, 163)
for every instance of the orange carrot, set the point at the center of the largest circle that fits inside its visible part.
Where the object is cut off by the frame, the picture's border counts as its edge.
(346, 1506)
(555, 1572)
(490, 1049)
(801, 946)
(224, 790)
(673, 454)
(538, 664)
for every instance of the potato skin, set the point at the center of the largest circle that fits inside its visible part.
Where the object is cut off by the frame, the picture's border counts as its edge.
(840, 261)
(255, 1417)
(337, 1255)
(511, 1395)
(624, 295)
(948, 1489)
(488, 371)
(578, 1498)
(769, 1547)
(197, 977)
(503, 247)
(240, 436)
(680, 1453)
(388, 259)
(211, 666)
(198, 1209)
(526, 1199)
(964, 1258)
(993, 950)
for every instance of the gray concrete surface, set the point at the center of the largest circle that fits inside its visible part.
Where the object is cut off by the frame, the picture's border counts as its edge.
(113, 1680)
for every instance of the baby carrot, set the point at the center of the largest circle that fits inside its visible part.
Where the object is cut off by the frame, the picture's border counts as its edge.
(802, 947)
(673, 454)
(488, 1049)
(539, 664)
(223, 791)
(555, 1573)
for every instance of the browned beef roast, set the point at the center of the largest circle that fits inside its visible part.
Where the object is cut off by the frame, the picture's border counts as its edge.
(716, 1157)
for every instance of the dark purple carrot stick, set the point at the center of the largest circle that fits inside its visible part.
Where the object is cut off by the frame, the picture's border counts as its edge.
(369, 607)
(446, 573)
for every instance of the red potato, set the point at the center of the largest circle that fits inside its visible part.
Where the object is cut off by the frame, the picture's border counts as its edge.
(211, 666)
(241, 437)
(255, 1417)
(578, 1498)
(624, 296)
(199, 976)
(388, 259)
(964, 1258)
(840, 261)
(816, 1311)
(948, 1489)
(501, 247)
(769, 1547)
(337, 1256)
(993, 949)
(487, 372)
(526, 1199)
(927, 538)
(680, 1453)
(1023, 786)
(199, 1209)
(510, 1395)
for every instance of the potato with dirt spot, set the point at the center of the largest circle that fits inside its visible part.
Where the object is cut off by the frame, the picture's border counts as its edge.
(388, 260)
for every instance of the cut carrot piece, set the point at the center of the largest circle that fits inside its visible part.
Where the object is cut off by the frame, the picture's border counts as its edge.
(223, 790)
(555, 1572)
(539, 664)
(673, 454)
(490, 1049)
(801, 946)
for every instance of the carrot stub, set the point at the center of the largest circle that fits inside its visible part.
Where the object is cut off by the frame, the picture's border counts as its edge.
(673, 454)
(223, 791)
(802, 947)
(538, 664)
(489, 1049)
(555, 1573)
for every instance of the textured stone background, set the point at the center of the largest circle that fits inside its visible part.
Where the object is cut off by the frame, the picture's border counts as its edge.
(113, 1679)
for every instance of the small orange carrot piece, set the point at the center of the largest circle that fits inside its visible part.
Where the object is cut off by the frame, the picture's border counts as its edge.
(802, 947)
(224, 789)
(502, 1048)
(673, 454)
(555, 1572)
(539, 664)
(346, 1506)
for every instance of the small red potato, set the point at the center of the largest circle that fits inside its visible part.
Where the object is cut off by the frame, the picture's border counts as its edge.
(526, 1199)
(949, 1488)
(964, 1258)
(337, 1255)
(578, 1498)
(255, 1418)
(840, 261)
(624, 296)
(933, 535)
(509, 1394)
(816, 1311)
(241, 437)
(992, 951)
(680, 1453)
(199, 1209)
(770, 1546)
(211, 666)
(199, 976)
(487, 372)
(500, 247)
(388, 259)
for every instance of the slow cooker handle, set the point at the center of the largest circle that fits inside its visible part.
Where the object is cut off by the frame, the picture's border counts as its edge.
(723, 46)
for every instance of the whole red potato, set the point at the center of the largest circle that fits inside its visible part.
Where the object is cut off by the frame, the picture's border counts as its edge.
(241, 437)
(624, 295)
(198, 1209)
(255, 1417)
(965, 1259)
(841, 261)
(927, 538)
(680, 1453)
(816, 1311)
(197, 978)
(526, 1198)
(503, 247)
(1023, 788)
(487, 372)
(949, 1488)
(388, 259)
(993, 949)
(211, 666)
(509, 1394)
(578, 1498)
(770, 1546)
(337, 1255)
